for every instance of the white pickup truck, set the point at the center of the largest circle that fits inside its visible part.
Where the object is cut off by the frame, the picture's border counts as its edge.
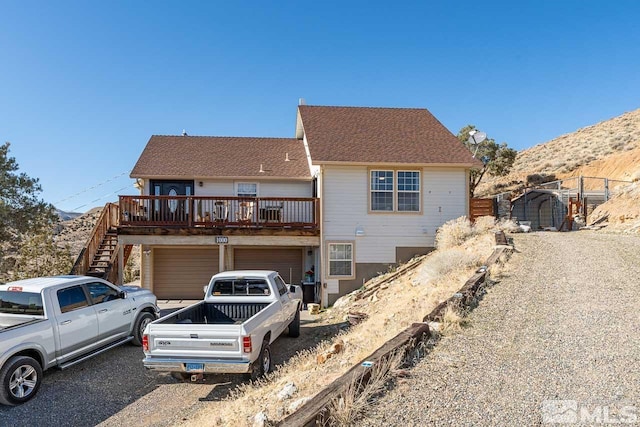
(230, 331)
(60, 321)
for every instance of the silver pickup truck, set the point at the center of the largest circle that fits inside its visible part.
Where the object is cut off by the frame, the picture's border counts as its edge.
(61, 321)
(230, 331)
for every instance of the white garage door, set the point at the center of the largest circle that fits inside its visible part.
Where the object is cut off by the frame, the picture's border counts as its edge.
(180, 273)
(286, 261)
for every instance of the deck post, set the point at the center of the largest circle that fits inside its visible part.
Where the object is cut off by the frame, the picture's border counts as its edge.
(221, 257)
(120, 264)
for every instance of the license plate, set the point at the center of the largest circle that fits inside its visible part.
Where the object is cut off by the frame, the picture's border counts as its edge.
(195, 367)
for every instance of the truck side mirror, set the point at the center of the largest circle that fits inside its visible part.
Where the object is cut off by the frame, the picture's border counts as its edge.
(204, 289)
(292, 289)
(122, 294)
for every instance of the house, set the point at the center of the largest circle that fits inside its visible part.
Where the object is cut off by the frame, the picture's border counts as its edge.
(355, 191)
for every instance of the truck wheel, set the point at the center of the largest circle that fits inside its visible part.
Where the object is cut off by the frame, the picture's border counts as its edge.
(263, 364)
(20, 379)
(138, 329)
(294, 326)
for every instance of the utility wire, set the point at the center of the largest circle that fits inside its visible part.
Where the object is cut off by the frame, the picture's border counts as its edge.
(100, 198)
(91, 188)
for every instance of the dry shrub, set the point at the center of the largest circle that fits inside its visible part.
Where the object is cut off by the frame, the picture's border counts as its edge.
(443, 262)
(454, 233)
(484, 224)
(452, 320)
(345, 410)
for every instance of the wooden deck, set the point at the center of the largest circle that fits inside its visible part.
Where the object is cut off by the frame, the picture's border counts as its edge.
(218, 215)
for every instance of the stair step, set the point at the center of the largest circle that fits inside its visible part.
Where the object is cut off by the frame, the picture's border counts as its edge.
(98, 266)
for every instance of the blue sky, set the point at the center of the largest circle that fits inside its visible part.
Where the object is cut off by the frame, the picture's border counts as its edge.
(83, 85)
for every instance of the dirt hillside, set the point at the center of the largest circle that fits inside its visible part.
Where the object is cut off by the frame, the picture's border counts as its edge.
(609, 149)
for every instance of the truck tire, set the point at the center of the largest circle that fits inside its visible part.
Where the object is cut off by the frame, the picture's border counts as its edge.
(294, 326)
(262, 365)
(20, 379)
(138, 329)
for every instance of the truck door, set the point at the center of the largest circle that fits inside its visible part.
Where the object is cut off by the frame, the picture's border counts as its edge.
(287, 312)
(114, 312)
(77, 322)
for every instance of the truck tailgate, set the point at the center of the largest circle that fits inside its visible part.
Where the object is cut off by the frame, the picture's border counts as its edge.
(195, 341)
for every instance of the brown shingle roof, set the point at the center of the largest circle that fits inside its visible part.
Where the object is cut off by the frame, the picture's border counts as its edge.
(217, 157)
(380, 135)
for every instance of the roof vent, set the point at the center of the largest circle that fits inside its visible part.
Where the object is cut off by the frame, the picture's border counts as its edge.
(301, 101)
(184, 132)
(261, 169)
(286, 157)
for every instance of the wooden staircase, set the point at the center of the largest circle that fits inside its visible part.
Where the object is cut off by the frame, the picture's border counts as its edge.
(99, 257)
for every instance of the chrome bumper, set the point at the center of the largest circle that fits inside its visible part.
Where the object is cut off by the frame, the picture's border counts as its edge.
(210, 366)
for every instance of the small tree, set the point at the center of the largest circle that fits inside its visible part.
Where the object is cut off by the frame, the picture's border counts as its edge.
(40, 256)
(497, 158)
(21, 211)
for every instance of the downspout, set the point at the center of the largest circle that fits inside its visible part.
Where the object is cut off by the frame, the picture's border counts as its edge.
(324, 297)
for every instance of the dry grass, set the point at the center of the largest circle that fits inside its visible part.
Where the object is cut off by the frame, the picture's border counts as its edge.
(355, 400)
(452, 320)
(391, 309)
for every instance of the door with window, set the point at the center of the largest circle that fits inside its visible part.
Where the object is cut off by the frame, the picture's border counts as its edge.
(77, 321)
(172, 208)
(114, 312)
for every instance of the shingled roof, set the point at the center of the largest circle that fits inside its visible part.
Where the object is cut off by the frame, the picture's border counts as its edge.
(380, 135)
(221, 157)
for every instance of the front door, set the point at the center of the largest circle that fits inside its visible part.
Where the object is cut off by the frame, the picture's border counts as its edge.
(172, 208)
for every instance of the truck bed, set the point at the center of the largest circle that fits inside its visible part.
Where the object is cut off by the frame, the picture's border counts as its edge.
(10, 322)
(215, 313)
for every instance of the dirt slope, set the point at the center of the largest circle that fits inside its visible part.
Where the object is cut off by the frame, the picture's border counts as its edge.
(609, 149)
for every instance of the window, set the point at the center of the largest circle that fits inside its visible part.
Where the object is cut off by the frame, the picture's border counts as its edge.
(394, 191)
(247, 189)
(102, 293)
(381, 190)
(282, 287)
(72, 299)
(21, 303)
(408, 191)
(239, 287)
(341, 259)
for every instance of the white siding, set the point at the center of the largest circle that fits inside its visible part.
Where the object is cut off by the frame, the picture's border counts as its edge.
(265, 188)
(345, 207)
(226, 187)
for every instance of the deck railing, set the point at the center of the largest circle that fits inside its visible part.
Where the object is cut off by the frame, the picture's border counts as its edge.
(223, 212)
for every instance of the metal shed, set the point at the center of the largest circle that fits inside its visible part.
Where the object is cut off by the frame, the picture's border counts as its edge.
(544, 208)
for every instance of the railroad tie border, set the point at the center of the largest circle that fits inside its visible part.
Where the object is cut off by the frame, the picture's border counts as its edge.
(316, 410)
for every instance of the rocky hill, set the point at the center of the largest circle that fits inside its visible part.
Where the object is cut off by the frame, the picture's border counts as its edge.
(609, 149)
(75, 232)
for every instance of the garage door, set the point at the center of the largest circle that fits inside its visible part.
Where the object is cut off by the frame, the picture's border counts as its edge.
(180, 273)
(286, 261)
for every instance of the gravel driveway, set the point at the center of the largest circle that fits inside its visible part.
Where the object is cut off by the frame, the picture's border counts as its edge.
(563, 324)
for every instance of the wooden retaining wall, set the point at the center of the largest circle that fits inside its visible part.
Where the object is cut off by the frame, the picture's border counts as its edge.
(316, 410)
